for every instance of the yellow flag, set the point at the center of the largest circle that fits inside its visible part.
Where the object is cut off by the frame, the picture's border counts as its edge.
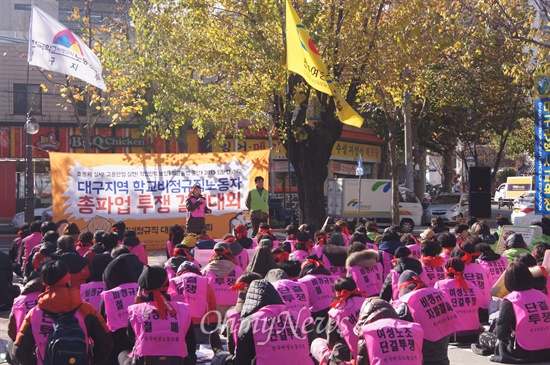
(303, 58)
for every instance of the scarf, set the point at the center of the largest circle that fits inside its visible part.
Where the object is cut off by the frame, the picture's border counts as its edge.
(240, 286)
(281, 257)
(183, 252)
(468, 257)
(161, 302)
(264, 231)
(344, 295)
(230, 239)
(225, 254)
(432, 261)
(415, 280)
(311, 261)
(322, 239)
(458, 278)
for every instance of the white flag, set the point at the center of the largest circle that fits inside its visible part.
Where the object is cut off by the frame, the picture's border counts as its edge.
(54, 47)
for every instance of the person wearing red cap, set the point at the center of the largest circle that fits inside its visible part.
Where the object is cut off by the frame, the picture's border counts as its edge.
(57, 298)
(197, 209)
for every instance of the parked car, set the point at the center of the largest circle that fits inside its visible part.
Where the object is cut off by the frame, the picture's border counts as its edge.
(448, 206)
(524, 210)
(527, 197)
(500, 193)
(41, 214)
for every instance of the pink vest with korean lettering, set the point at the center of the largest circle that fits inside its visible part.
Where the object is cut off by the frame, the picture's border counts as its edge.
(140, 251)
(91, 292)
(432, 309)
(22, 305)
(465, 303)
(493, 269)
(242, 259)
(299, 255)
(224, 295)
(393, 341)
(156, 336)
(415, 251)
(286, 340)
(117, 301)
(476, 274)
(319, 288)
(42, 325)
(234, 322)
(294, 294)
(394, 285)
(368, 279)
(199, 212)
(532, 310)
(338, 272)
(190, 288)
(345, 315)
(431, 275)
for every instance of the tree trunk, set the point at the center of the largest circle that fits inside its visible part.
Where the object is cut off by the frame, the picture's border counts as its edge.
(448, 171)
(392, 146)
(182, 138)
(86, 139)
(420, 176)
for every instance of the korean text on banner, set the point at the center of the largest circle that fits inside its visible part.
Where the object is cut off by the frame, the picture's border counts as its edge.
(304, 59)
(55, 48)
(148, 191)
(542, 145)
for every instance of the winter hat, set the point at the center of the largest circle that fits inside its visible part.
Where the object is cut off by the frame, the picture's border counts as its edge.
(240, 231)
(515, 240)
(403, 251)
(336, 239)
(275, 275)
(130, 241)
(267, 242)
(55, 273)
(154, 280)
(222, 247)
(503, 221)
(190, 241)
(408, 282)
(427, 234)
(188, 266)
(361, 229)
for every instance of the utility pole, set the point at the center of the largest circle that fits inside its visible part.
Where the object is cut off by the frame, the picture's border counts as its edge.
(409, 168)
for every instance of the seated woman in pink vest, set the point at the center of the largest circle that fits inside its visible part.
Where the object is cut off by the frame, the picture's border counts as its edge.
(377, 327)
(84, 243)
(461, 233)
(520, 335)
(91, 291)
(341, 340)
(175, 237)
(403, 262)
(241, 234)
(269, 333)
(159, 327)
(448, 242)
(181, 254)
(133, 244)
(336, 256)
(120, 291)
(432, 309)
(433, 268)
(363, 267)
(413, 243)
(302, 248)
(466, 299)
(222, 272)
(263, 260)
(493, 263)
(291, 232)
(238, 251)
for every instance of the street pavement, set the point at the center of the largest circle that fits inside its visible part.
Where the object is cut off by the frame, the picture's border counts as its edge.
(458, 355)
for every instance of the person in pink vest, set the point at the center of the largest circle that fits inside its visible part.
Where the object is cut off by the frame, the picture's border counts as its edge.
(265, 232)
(319, 283)
(461, 233)
(175, 237)
(84, 243)
(238, 251)
(520, 334)
(29, 242)
(341, 340)
(432, 309)
(302, 248)
(181, 254)
(403, 262)
(336, 256)
(120, 291)
(118, 228)
(241, 234)
(132, 243)
(269, 333)
(222, 272)
(321, 241)
(159, 327)
(539, 272)
(197, 209)
(448, 242)
(341, 227)
(433, 268)
(363, 267)
(91, 291)
(59, 298)
(280, 256)
(493, 263)
(263, 260)
(384, 338)
(413, 243)
(21, 306)
(466, 299)
(78, 265)
(294, 294)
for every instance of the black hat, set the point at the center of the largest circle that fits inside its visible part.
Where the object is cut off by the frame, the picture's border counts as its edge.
(406, 276)
(152, 277)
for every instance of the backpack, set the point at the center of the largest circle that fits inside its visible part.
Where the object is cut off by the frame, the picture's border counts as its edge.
(67, 342)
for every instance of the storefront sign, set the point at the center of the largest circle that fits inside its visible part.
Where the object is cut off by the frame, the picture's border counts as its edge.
(107, 143)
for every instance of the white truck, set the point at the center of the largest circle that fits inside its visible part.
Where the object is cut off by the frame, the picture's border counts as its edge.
(375, 203)
(514, 188)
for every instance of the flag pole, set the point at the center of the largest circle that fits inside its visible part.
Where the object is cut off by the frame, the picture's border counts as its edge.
(288, 118)
(29, 167)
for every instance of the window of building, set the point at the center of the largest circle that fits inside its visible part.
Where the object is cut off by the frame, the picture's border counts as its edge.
(20, 107)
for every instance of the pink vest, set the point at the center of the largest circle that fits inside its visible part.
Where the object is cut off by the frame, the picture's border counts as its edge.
(29, 243)
(224, 295)
(465, 303)
(117, 301)
(42, 325)
(294, 294)
(169, 248)
(190, 288)
(394, 285)
(22, 305)
(156, 336)
(345, 315)
(432, 309)
(385, 259)
(445, 256)
(532, 310)
(368, 279)
(242, 259)
(415, 251)
(319, 288)
(393, 341)
(91, 292)
(82, 249)
(169, 271)
(139, 251)
(299, 255)
(431, 275)
(284, 341)
(493, 269)
(371, 246)
(199, 212)
(475, 274)
(234, 322)
(338, 272)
